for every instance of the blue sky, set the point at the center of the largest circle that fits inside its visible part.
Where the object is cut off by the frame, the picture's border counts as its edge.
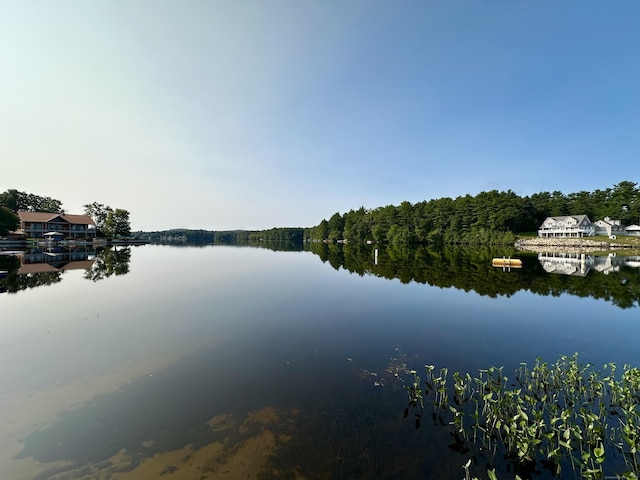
(255, 114)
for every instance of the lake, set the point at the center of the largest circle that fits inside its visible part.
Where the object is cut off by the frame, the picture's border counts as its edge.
(243, 362)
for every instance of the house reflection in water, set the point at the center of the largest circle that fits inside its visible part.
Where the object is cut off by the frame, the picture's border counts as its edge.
(55, 260)
(579, 264)
(40, 267)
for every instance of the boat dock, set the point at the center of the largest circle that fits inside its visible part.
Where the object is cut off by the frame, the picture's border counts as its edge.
(507, 262)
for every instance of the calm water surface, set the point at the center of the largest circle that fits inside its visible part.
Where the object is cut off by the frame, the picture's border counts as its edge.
(220, 361)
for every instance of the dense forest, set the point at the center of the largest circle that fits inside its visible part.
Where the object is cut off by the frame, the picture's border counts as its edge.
(488, 218)
(492, 217)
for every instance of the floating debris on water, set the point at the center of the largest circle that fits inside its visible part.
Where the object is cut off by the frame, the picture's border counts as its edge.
(394, 372)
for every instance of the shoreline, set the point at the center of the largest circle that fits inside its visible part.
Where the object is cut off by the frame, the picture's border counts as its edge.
(30, 243)
(574, 245)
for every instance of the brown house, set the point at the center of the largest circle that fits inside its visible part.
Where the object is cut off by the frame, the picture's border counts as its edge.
(44, 224)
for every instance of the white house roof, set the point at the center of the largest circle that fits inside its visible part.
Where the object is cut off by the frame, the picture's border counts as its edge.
(578, 218)
(607, 222)
(565, 219)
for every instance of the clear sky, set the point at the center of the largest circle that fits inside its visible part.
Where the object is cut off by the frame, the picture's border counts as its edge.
(252, 114)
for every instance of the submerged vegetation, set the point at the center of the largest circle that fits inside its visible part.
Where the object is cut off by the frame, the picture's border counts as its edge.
(564, 418)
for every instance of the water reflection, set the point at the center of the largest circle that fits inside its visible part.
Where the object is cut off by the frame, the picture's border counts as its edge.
(275, 349)
(470, 269)
(110, 261)
(580, 264)
(37, 267)
(467, 269)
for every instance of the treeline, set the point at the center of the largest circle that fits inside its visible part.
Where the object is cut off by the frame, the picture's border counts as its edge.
(16, 200)
(226, 237)
(488, 218)
(287, 235)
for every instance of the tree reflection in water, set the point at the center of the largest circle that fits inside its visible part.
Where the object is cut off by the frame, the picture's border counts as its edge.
(37, 267)
(110, 261)
(469, 269)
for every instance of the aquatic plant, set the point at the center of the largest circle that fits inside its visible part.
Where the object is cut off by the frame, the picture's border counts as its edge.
(558, 416)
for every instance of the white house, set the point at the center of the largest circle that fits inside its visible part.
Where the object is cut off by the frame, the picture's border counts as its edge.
(633, 230)
(567, 226)
(609, 227)
(579, 264)
(575, 264)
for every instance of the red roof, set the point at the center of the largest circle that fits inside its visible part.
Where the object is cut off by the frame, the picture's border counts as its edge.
(36, 268)
(44, 217)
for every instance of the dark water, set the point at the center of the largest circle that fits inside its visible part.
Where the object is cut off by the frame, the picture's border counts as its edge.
(326, 334)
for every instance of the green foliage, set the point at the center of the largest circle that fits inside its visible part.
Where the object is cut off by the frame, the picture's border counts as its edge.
(231, 237)
(117, 224)
(564, 415)
(284, 234)
(98, 212)
(8, 221)
(181, 236)
(335, 227)
(319, 232)
(288, 236)
(15, 200)
(489, 218)
(110, 223)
